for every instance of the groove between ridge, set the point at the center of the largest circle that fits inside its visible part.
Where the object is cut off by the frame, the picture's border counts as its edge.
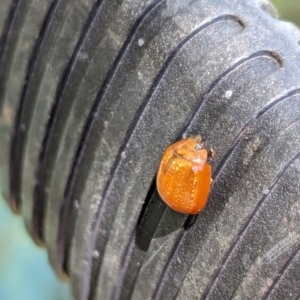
(277, 177)
(3, 44)
(65, 77)
(254, 118)
(93, 112)
(38, 215)
(65, 208)
(261, 53)
(18, 137)
(281, 273)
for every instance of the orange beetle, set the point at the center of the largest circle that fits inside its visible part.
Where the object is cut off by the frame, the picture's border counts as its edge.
(184, 176)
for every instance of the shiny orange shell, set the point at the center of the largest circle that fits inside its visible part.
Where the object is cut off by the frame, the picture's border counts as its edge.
(184, 176)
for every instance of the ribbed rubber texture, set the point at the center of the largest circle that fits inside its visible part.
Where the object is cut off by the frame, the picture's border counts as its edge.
(93, 91)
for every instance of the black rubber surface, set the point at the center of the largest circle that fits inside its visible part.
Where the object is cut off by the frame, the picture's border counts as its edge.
(93, 91)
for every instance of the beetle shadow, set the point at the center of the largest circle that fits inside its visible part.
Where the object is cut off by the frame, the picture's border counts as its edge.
(158, 220)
